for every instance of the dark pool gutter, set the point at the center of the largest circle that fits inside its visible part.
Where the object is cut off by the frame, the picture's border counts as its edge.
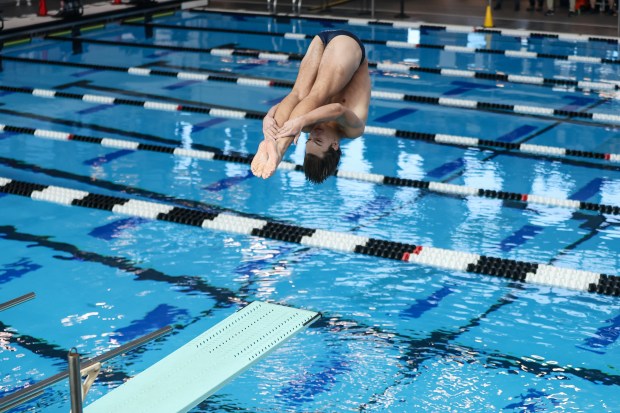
(10, 36)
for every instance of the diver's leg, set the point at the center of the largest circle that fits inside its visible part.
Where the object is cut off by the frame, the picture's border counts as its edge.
(270, 153)
(304, 83)
(339, 62)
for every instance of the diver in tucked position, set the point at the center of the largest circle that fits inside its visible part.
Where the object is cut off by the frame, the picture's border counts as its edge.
(329, 100)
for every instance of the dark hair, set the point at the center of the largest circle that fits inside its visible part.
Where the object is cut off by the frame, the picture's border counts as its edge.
(318, 169)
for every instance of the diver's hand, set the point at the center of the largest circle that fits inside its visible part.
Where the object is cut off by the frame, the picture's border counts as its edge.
(270, 127)
(291, 127)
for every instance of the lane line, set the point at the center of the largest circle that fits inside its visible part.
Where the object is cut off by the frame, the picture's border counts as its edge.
(528, 272)
(400, 44)
(432, 186)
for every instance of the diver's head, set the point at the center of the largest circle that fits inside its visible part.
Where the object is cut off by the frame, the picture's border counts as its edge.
(322, 152)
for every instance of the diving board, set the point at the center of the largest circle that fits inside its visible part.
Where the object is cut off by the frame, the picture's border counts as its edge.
(198, 369)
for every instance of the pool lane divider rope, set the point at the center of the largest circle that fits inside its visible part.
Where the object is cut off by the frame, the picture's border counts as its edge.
(490, 106)
(210, 110)
(399, 24)
(468, 141)
(522, 54)
(603, 118)
(375, 130)
(600, 118)
(384, 67)
(437, 187)
(521, 271)
(262, 82)
(552, 151)
(141, 71)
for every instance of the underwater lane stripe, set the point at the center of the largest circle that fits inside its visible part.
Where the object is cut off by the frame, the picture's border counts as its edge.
(432, 186)
(436, 257)
(402, 45)
(400, 24)
(187, 284)
(41, 347)
(62, 247)
(384, 66)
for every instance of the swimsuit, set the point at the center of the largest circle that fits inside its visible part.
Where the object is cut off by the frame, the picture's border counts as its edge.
(326, 36)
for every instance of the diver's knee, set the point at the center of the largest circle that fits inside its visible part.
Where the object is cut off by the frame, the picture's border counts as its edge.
(318, 95)
(300, 93)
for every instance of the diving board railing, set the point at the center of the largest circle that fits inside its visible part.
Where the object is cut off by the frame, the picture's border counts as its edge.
(198, 369)
(89, 367)
(16, 301)
(272, 6)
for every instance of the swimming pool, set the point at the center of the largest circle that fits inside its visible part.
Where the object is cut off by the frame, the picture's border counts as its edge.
(395, 336)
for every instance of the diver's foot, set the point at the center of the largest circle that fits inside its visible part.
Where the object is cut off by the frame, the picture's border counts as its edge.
(274, 158)
(259, 160)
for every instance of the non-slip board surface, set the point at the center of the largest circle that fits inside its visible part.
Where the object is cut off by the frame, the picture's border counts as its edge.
(192, 373)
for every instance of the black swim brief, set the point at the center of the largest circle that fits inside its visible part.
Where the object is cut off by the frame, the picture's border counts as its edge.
(327, 36)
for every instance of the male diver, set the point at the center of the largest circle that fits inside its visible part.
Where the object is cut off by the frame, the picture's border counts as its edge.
(329, 100)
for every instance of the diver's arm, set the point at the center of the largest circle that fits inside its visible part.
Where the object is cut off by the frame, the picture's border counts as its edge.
(270, 127)
(350, 123)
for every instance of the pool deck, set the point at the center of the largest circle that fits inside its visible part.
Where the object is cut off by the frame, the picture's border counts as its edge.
(22, 14)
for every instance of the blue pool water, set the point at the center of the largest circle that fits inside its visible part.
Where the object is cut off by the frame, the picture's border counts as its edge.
(395, 336)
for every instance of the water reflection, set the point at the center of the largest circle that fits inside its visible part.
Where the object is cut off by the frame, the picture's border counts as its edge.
(355, 158)
(183, 131)
(410, 165)
(550, 181)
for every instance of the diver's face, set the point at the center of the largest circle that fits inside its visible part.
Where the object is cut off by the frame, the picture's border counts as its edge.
(320, 139)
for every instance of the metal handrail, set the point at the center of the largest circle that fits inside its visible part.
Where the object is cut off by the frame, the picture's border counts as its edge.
(272, 5)
(296, 6)
(30, 392)
(75, 381)
(16, 301)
